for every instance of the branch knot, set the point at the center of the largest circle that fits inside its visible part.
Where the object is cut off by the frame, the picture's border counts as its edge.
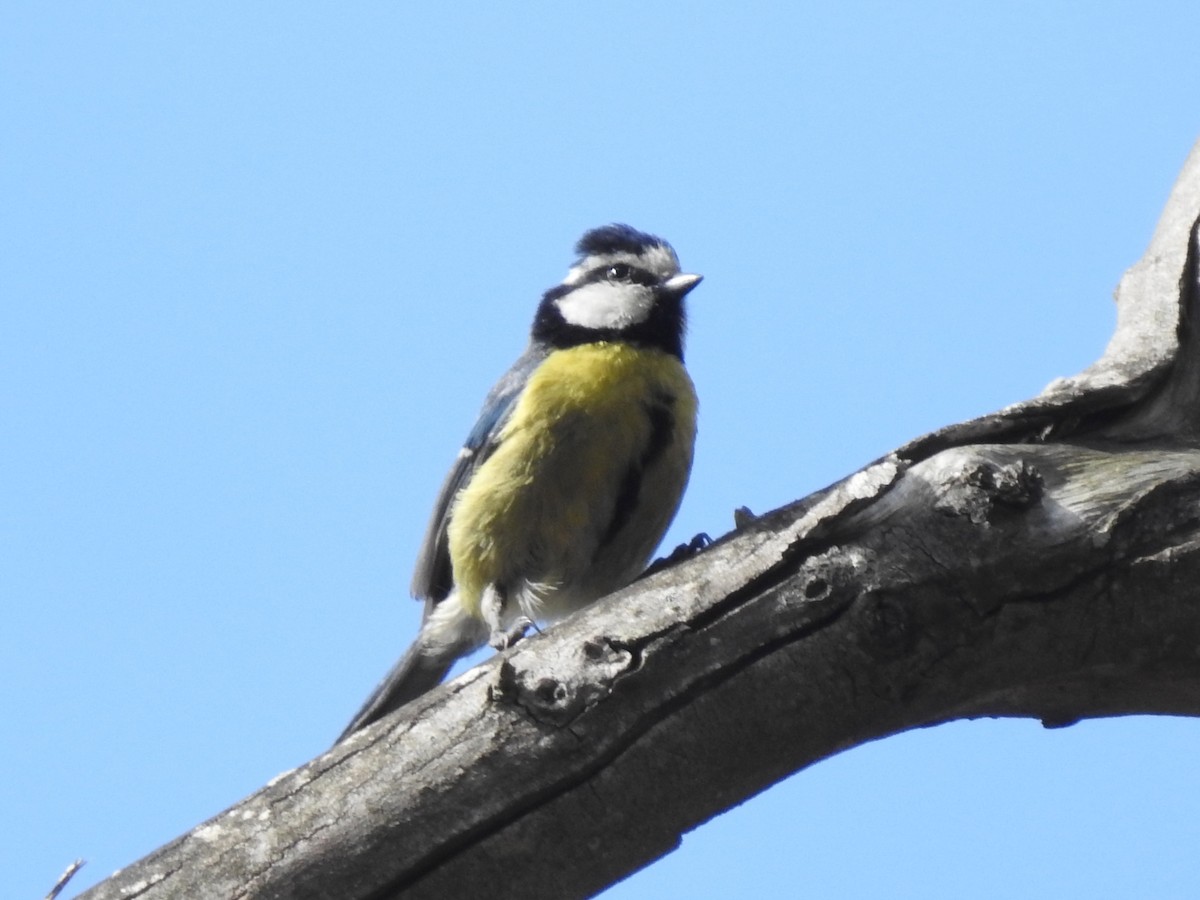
(981, 488)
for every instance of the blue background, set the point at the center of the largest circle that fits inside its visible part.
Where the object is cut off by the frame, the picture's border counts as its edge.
(260, 262)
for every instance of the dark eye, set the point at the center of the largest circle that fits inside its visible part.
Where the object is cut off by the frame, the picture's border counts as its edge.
(618, 272)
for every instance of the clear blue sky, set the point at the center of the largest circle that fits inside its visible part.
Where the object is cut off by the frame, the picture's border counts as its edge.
(261, 262)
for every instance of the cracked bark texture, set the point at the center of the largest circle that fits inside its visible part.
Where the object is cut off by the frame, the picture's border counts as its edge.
(1041, 561)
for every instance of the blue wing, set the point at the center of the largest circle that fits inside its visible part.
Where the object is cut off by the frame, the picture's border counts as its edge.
(433, 577)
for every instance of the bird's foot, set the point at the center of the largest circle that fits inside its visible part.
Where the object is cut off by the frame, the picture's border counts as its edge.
(503, 638)
(679, 554)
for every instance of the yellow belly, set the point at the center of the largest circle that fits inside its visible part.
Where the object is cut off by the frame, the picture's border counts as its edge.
(537, 518)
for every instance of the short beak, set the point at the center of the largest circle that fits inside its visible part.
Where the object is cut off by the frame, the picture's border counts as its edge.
(679, 285)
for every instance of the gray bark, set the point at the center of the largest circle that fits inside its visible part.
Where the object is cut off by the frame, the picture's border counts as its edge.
(1041, 561)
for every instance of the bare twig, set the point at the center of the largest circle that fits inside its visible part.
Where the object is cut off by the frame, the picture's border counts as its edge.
(64, 878)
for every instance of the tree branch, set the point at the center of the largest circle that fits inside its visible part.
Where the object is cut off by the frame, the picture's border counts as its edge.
(1040, 561)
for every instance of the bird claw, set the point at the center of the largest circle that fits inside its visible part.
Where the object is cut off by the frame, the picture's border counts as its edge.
(679, 554)
(503, 638)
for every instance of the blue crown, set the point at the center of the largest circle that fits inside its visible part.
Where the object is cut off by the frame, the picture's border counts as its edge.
(616, 238)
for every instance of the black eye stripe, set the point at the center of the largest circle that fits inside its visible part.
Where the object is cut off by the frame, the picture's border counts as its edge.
(632, 274)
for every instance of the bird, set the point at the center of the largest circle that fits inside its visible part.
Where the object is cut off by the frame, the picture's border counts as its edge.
(573, 470)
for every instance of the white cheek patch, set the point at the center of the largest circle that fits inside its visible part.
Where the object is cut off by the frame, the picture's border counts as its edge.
(603, 304)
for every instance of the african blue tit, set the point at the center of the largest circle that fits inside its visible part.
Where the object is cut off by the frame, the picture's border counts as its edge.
(572, 472)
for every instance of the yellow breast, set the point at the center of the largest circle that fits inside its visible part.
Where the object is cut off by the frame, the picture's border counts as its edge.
(587, 476)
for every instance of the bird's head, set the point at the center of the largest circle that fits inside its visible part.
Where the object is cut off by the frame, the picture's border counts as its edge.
(625, 286)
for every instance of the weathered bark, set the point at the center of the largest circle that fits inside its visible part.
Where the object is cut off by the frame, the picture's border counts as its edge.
(1041, 561)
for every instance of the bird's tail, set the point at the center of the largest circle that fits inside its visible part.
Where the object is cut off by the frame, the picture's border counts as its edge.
(419, 670)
